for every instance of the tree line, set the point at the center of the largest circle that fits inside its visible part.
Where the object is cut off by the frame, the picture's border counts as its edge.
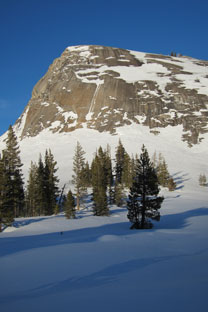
(107, 180)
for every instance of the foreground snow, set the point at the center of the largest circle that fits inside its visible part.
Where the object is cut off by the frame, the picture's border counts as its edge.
(98, 264)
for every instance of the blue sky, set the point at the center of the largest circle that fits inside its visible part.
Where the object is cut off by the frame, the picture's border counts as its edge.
(34, 32)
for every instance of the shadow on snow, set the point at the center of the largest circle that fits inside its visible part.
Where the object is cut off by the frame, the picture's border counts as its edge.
(180, 178)
(101, 277)
(92, 234)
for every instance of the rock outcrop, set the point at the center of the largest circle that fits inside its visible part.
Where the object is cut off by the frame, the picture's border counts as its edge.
(103, 88)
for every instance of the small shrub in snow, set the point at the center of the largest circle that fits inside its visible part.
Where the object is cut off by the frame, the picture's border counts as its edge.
(202, 180)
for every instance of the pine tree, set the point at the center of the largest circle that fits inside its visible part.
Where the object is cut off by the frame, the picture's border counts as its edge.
(56, 210)
(86, 174)
(162, 170)
(69, 206)
(127, 175)
(51, 183)
(106, 163)
(163, 174)
(1, 192)
(120, 159)
(13, 167)
(62, 202)
(144, 202)
(202, 180)
(123, 166)
(154, 160)
(99, 184)
(42, 189)
(77, 177)
(6, 195)
(32, 191)
(123, 173)
(118, 199)
(171, 184)
(41, 192)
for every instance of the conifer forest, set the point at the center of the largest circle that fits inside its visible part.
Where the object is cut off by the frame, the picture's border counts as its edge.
(129, 182)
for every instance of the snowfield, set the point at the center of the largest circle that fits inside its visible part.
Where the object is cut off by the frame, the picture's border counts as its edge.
(152, 72)
(98, 263)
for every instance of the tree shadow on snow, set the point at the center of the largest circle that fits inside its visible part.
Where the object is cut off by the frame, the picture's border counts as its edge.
(92, 234)
(84, 235)
(110, 274)
(115, 211)
(180, 220)
(101, 277)
(27, 221)
(179, 178)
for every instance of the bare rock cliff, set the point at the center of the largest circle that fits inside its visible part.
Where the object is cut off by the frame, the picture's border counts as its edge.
(103, 88)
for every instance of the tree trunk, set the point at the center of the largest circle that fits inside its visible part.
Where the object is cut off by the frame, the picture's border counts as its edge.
(78, 207)
(143, 210)
(143, 199)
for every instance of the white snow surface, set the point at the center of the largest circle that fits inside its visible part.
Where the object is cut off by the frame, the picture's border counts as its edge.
(98, 263)
(194, 76)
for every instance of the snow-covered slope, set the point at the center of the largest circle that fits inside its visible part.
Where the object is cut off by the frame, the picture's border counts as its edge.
(180, 158)
(97, 263)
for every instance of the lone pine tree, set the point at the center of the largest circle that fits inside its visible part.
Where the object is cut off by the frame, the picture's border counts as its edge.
(144, 202)
(69, 206)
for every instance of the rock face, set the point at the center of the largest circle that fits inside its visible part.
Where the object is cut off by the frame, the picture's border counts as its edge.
(103, 88)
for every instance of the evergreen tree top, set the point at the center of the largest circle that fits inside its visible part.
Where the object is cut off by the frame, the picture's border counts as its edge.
(12, 151)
